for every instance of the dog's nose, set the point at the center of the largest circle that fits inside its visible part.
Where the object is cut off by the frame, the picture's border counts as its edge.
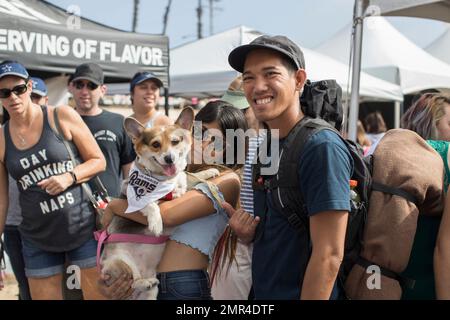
(168, 159)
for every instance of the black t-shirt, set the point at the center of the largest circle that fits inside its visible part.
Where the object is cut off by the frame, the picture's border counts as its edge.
(54, 223)
(107, 128)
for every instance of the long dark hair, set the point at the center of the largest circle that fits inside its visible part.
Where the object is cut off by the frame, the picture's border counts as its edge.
(227, 117)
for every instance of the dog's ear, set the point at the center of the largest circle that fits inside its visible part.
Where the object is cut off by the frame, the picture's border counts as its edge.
(133, 127)
(186, 118)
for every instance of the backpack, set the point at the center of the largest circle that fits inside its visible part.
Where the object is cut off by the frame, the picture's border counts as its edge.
(284, 186)
(322, 99)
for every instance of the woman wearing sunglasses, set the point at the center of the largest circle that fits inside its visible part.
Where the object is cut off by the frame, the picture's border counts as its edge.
(58, 220)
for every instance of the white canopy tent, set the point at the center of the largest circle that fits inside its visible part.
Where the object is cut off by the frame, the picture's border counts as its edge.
(201, 68)
(431, 9)
(320, 66)
(440, 48)
(389, 55)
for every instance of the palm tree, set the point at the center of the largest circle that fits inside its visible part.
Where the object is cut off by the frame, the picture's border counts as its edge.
(199, 19)
(166, 16)
(135, 14)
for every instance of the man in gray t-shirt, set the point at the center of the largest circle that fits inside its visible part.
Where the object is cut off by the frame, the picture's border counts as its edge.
(87, 87)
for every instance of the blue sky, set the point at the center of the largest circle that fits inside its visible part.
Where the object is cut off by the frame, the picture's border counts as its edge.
(308, 22)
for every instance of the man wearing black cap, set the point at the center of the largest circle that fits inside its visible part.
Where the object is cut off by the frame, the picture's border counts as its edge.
(288, 263)
(87, 88)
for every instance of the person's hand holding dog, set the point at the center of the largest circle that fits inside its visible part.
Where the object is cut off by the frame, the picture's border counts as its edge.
(242, 223)
(119, 289)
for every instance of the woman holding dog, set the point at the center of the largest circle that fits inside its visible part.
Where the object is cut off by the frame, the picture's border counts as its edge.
(198, 215)
(58, 219)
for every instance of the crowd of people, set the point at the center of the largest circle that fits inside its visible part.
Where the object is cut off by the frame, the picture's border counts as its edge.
(237, 245)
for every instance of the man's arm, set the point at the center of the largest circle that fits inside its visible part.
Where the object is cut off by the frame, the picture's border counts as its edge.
(325, 171)
(327, 231)
(126, 170)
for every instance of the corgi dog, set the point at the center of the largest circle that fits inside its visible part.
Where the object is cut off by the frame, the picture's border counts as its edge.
(162, 156)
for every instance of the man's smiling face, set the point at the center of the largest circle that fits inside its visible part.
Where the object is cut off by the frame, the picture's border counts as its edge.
(269, 85)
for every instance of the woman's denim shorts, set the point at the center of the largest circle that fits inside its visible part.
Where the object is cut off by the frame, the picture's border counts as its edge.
(184, 285)
(42, 264)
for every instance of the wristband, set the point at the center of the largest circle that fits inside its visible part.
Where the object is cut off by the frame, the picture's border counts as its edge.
(74, 177)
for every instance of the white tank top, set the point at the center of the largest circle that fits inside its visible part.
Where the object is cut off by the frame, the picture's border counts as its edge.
(151, 122)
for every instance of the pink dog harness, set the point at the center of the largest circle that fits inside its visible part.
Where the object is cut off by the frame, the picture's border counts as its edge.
(103, 237)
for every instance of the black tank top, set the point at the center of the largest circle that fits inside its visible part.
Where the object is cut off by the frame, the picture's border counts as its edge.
(53, 223)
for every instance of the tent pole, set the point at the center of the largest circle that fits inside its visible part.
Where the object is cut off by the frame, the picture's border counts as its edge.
(166, 101)
(358, 20)
(397, 110)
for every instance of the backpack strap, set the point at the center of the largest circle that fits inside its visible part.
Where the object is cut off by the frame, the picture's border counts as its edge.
(284, 185)
(403, 281)
(394, 191)
(287, 193)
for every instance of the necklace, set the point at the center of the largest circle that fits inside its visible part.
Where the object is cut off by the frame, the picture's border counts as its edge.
(22, 140)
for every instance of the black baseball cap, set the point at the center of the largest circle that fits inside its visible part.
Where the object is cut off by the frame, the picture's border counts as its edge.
(281, 44)
(89, 71)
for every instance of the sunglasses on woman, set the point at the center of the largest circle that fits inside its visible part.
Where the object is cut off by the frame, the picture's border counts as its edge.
(206, 135)
(17, 90)
(80, 85)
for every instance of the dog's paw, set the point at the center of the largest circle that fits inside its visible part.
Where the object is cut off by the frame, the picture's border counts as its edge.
(155, 224)
(179, 191)
(145, 284)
